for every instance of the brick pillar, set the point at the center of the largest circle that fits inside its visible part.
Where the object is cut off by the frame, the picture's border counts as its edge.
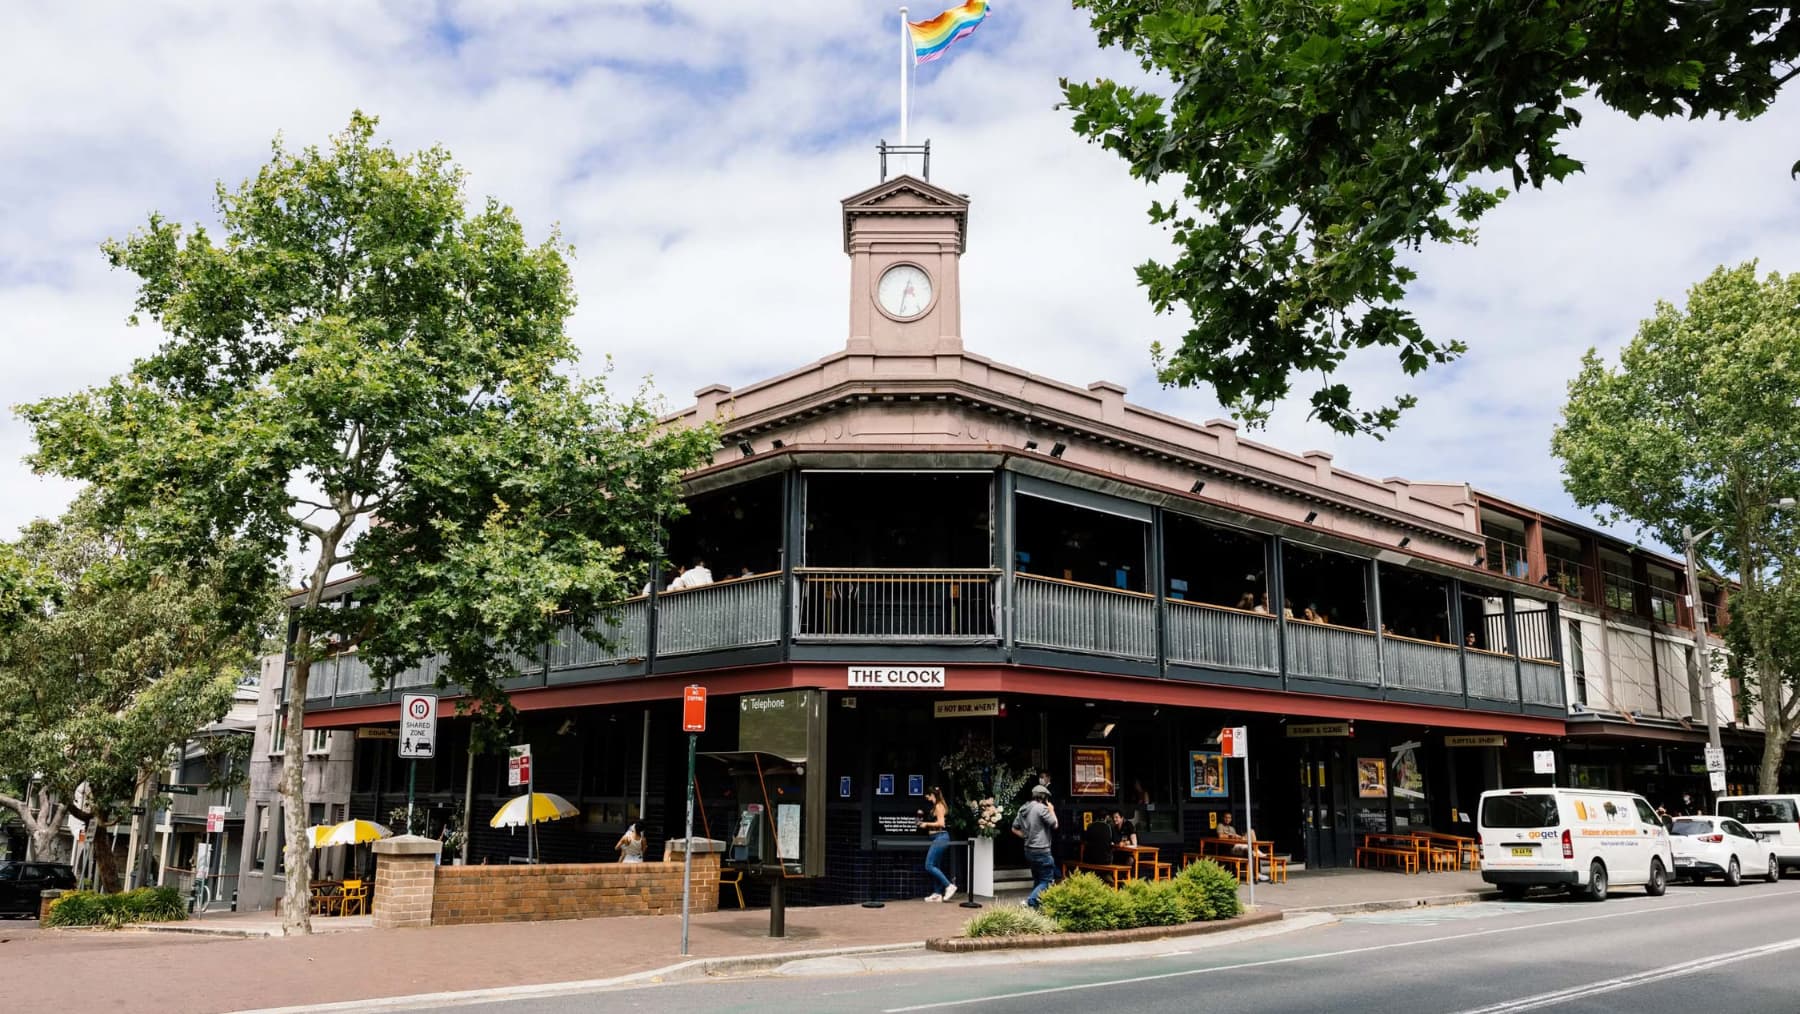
(405, 880)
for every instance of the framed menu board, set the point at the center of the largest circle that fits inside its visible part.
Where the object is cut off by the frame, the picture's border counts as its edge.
(1092, 767)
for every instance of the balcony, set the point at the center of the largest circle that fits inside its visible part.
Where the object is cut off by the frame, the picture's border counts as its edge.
(192, 809)
(866, 608)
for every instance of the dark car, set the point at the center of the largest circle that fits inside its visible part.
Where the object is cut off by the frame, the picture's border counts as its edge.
(20, 883)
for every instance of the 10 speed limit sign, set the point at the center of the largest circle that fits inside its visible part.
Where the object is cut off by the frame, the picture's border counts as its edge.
(418, 726)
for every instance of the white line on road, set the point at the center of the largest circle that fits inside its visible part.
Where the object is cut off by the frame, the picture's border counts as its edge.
(1760, 896)
(1636, 979)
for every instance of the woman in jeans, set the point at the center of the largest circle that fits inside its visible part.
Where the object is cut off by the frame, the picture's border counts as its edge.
(935, 824)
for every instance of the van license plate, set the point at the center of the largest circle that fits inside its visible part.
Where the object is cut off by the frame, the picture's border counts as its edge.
(1526, 852)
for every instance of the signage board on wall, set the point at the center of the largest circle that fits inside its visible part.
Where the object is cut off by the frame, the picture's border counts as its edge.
(1092, 767)
(974, 707)
(1474, 740)
(1319, 729)
(897, 677)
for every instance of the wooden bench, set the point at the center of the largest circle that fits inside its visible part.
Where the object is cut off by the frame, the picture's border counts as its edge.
(1408, 858)
(1112, 871)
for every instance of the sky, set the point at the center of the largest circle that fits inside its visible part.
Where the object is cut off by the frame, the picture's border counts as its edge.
(694, 153)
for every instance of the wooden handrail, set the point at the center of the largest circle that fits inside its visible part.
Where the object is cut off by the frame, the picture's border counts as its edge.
(1258, 613)
(1332, 626)
(1083, 584)
(1390, 635)
(711, 584)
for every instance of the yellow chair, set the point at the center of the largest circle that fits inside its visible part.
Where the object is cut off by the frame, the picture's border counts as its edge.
(356, 895)
(734, 879)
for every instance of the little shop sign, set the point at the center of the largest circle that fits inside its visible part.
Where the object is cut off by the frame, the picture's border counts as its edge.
(876, 677)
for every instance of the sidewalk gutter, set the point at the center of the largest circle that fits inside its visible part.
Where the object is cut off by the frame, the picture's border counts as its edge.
(685, 971)
(1393, 904)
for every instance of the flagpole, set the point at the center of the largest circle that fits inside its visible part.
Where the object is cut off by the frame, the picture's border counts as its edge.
(905, 78)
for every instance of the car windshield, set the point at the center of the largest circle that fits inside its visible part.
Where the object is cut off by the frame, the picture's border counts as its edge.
(1758, 811)
(1692, 827)
(1527, 810)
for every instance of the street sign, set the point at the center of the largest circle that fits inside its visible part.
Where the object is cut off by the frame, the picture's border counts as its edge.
(693, 709)
(1543, 762)
(418, 726)
(190, 790)
(1715, 759)
(215, 819)
(518, 765)
(1234, 741)
(1718, 781)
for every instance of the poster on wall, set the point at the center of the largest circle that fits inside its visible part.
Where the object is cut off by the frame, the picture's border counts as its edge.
(1093, 768)
(1371, 778)
(1207, 777)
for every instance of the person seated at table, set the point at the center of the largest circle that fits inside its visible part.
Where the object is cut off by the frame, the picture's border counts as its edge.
(1097, 843)
(1124, 832)
(1240, 845)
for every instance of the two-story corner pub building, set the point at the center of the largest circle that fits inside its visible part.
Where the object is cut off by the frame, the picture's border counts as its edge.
(953, 554)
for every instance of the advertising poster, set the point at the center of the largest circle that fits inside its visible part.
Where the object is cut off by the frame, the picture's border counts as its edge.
(1371, 778)
(1207, 776)
(1093, 771)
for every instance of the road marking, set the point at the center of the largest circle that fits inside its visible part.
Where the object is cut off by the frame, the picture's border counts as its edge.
(1441, 914)
(1635, 979)
(1372, 948)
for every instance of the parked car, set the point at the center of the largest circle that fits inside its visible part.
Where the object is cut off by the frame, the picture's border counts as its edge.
(1581, 839)
(20, 883)
(1721, 847)
(1776, 818)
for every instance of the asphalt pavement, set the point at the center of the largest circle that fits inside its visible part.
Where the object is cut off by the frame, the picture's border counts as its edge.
(1699, 948)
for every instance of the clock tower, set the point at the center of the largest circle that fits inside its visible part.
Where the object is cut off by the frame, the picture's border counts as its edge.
(905, 239)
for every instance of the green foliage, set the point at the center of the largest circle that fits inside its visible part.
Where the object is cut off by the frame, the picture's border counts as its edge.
(1698, 427)
(1215, 884)
(1083, 903)
(1009, 921)
(1156, 903)
(1316, 142)
(360, 340)
(131, 662)
(24, 587)
(146, 904)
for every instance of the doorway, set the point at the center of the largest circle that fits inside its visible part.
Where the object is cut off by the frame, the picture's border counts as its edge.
(1326, 829)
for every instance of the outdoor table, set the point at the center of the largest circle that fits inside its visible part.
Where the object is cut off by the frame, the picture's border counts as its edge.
(1142, 856)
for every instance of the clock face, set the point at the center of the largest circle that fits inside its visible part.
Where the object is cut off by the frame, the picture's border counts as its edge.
(904, 291)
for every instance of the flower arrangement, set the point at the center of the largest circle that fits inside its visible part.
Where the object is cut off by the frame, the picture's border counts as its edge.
(994, 814)
(989, 789)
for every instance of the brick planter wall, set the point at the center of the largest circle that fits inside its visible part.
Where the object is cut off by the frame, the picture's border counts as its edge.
(404, 879)
(477, 894)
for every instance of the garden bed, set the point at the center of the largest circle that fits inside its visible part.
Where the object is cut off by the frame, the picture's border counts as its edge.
(958, 945)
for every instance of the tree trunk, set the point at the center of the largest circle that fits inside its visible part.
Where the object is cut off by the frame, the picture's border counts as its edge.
(296, 895)
(1780, 729)
(106, 860)
(43, 816)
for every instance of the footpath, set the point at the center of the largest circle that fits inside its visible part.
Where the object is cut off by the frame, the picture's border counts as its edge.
(231, 965)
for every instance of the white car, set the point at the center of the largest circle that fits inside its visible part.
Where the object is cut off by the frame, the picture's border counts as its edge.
(1721, 847)
(1776, 818)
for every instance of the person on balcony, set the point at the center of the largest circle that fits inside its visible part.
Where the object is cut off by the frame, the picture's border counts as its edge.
(695, 576)
(1246, 601)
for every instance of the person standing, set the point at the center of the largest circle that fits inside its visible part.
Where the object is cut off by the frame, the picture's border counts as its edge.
(631, 845)
(937, 825)
(1035, 822)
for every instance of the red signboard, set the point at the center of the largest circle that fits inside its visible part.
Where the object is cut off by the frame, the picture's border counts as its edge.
(1234, 741)
(693, 709)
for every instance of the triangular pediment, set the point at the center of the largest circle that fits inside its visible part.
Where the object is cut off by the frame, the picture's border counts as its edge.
(907, 196)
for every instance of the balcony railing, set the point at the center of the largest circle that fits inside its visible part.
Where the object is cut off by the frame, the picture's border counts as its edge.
(1504, 556)
(1202, 634)
(1543, 682)
(1053, 613)
(728, 614)
(1565, 575)
(194, 807)
(894, 605)
(1491, 675)
(626, 635)
(1421, 665)
(1322, 651)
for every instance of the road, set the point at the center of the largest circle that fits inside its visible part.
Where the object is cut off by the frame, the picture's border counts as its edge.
(1699, 948)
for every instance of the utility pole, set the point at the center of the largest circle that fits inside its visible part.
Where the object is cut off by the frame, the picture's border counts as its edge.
(1698, 607)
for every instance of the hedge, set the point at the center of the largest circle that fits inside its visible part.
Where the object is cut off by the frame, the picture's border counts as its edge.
(146, 904)
(1202, 891)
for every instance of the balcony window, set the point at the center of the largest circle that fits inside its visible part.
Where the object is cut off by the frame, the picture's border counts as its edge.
(1577, 656)
(1415, 605)
(1619, 589)
(1537, 637)
(1214, 566)
(1663, 596)
(1325, 587)
(1070, 543)
(1484, 621)
(736, 530)
(899, 520)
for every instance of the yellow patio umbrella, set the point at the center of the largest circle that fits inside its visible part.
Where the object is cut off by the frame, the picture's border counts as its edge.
(356, 832)
(544, 806)
(317, 835)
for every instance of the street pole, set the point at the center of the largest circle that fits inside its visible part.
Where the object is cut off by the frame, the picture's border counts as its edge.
(687, 852)
(412, 780)
(468, 796)
(1249, 829)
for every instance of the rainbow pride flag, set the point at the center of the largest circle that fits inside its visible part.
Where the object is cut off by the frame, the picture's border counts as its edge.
(934, 35)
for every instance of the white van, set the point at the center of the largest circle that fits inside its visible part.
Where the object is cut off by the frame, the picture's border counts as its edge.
(1584, 840)
(1775, 819)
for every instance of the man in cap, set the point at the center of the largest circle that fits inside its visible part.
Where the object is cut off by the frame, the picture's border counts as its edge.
(1035, 822)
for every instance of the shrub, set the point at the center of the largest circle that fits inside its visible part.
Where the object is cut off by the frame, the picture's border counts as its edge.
(1218, 886)
(146, 904)
(1194, 899)
(1082, 903)
(1010, 921)
(1156, 903)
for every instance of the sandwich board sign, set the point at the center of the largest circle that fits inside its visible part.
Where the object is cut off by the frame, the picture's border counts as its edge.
(418, 726)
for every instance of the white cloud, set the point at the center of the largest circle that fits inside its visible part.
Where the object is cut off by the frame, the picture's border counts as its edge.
(695, 154)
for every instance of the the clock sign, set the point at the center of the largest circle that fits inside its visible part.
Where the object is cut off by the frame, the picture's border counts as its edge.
(418, 726)
(904, 291)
